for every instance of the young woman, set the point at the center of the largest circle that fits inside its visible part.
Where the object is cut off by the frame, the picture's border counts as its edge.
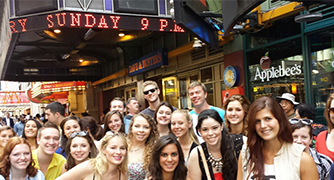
(6, 133)
(182, 127)
(114, 121)
(89, 124)
(218, 149)
(270, 151)
(79, 148)
(110, 163)
(69, 125)
(302, 134)
(142, 136)
(30, 130)
(167, 162)
(16, 161)
(236, 109)
(325, 139)
(162, 117)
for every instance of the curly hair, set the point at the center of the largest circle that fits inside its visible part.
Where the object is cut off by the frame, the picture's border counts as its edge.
(100, 163)
(64, 138)
(150, 141)
(108, 116)
(5, 165)
(92, 153)
(245, 106)
(254, 141)
(154, 168)
(229, 159)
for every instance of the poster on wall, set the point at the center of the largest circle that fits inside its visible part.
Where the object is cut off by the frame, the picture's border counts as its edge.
(229, 92)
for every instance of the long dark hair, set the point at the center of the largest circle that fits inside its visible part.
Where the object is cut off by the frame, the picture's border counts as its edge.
(92, 154)
(254, 141)
(90, 123)
(229, 160)
(38, 125)
(154, 168)
(107, 118)
(5, 161)
(64, 139)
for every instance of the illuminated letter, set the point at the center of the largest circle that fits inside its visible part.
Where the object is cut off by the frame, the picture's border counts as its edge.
(163, 24)
(87, 20)
(144, 22)
(178, 28)
(12, 25)
(103, 23)
(75, 19)
(115, 20)
(58, 19)
(48, 18)
(23, 24)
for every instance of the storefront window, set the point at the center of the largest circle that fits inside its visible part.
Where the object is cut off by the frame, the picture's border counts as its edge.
(209, 97)
(206, 75)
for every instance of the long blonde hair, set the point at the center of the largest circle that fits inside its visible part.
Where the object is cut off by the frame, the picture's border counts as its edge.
(188, 117)
(100, 162)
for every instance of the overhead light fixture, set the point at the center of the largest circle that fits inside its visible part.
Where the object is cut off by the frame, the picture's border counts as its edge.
(197, 43)
(57, 31)
(80, 60)
(121, 34)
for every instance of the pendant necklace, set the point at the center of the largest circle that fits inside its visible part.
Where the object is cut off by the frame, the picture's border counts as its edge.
(216, 163)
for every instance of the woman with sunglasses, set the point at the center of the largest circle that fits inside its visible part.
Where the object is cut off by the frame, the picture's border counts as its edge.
(325, 139)
(167, 162)
(69, 125)
(110, 163)
(142, 136)
(162, 117)
(236, 109)
(79, 148)
(302, 134)
(114, 121)
(6, 133)
(182, 127)
(16, 161)
(270, 152)
(30, 130)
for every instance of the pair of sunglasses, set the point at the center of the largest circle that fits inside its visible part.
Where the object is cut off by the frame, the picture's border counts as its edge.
(304, 121)
(80, 133)
(152, 91)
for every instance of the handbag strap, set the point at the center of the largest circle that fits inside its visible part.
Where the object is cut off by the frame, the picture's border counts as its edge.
(205, 164)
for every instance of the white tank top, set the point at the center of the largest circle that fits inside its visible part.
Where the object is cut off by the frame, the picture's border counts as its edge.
(269, 172)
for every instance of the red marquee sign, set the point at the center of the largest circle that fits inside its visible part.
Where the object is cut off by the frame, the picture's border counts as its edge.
(93, 20)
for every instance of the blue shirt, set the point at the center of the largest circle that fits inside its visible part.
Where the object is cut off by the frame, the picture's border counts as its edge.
(18, 128)
(39, 176)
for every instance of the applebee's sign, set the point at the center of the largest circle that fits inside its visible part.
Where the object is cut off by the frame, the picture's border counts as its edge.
(276, 72)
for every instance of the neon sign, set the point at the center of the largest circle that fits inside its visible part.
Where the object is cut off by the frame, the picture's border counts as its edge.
(93, 20)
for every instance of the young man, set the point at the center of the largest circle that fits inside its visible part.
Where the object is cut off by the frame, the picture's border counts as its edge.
(197, 93)
(151, 94)
(133, 109)
(288, 103)
(44, 156)
(55, 112)
(18, 127)
(117, 104)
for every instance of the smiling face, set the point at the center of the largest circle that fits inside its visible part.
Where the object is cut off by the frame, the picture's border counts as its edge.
(169, 158)
(266, 125)
(117, 105)
(30, 129)
(180, 125)
(115, 151)
(20, 157)
(79, 149)
(71, 126)
(235, 113)
(115, 123)
(211, 131)
(140, 129)
(164, 115)
(4, 137)
(197, 96)
(302, 136)
(49, 140)
(151, 97)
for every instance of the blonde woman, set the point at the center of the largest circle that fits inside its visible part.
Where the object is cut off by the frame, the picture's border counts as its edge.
(110, 163)
(142, 135)
(182, 127)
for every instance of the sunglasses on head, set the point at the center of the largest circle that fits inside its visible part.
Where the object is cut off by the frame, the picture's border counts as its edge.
(80, 133)
(304, 121)
(331, 110)
(152, 91)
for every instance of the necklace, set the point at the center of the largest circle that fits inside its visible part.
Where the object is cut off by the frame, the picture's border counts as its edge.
(134, 150)
(216, 163)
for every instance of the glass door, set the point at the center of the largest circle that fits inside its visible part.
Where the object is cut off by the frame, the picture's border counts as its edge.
(170, 91)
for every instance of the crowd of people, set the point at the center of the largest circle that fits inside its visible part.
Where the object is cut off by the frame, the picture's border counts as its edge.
(269, 139)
